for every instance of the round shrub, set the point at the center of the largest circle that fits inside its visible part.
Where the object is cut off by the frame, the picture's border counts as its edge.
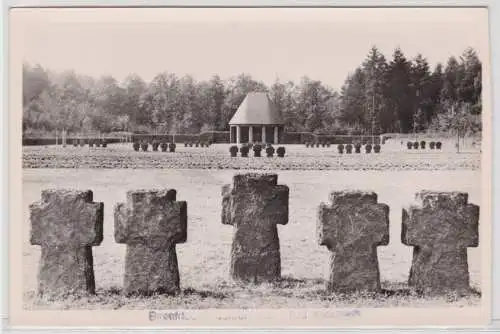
(164, 146)
(357, 148)
(415, 145)
(244, 149)
(171, 147)
(104, 143)
(82, 142)
(368, 148)
(136, 146)
(409, 145)
(328, 144)
(438, 145)
(155, 144)
(97, 143)
(376, 148)
(233, 150)
(186, 144)
(257, 148)
(269, 151)
(144, 146)
(280, 151)
(422, 144)
(317, 144)
(91, 143)
(340, 148)
(75, 143)
(307, 144)
(348, 148)
(197, 144)
(190, 144)
(323, 144)
(432, 145)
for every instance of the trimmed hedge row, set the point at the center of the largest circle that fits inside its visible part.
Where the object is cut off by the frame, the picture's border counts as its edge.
(358, 148)
(69, 141)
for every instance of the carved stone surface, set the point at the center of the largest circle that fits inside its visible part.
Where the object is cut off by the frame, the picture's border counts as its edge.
(66, 224)
(254, 205)
(352, 227)
(151, 223)
(440, 227)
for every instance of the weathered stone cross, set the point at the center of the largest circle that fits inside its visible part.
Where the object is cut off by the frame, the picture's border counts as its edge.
(351, 228)
(66, 224)
(254, 206)
(440, 228)
(151, 223)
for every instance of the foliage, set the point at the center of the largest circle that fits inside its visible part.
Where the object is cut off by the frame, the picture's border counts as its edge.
(397, 95)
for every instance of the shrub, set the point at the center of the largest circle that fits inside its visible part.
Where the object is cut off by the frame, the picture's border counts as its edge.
(368, 148)
(432, 145)
(97, 143)
(91, 143)
(323, 144)
(136, 146)
(409, 145)
(190, 144)
(144, 146)
(155, 144)
(257, 148)
(233, 150)
(164, 146)
(348, 148)
(75, 143)
(357, 148)
(171, 147)
(415, 145)
(376, 148)
(197, 144)
(104, 143)
(317, 144)
(280, 151)
(307, 144)
(438, 145)
(327, 144)
(269, 151)
(422, 144)
(82, 142)
(340, 148)
(186, 144)
(244, 149)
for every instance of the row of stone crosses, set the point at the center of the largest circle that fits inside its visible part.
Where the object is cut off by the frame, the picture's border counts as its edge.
(67, 223)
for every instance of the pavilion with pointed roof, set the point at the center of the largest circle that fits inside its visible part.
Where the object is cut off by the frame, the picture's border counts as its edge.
(256, 121)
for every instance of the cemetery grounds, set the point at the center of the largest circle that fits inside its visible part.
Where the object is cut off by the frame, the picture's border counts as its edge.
(198, 174)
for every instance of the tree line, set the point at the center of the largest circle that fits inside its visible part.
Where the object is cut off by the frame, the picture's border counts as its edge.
(379, 96)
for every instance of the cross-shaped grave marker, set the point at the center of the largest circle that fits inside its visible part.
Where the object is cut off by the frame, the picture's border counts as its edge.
(440, 227)
(254, 206)
(352, 227)
(151, 223)
(66, 224)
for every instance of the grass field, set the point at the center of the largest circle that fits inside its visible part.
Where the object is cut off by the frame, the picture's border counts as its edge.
(216, 157)
(204, 259)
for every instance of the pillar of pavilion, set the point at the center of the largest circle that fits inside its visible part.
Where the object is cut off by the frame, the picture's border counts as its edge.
(257, 121)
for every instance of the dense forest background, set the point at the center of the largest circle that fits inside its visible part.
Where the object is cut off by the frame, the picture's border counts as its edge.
(380, 96)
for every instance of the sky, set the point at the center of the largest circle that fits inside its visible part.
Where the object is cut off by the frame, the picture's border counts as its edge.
(323, 44)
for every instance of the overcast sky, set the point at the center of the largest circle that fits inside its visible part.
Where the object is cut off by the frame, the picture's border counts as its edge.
(324, 44)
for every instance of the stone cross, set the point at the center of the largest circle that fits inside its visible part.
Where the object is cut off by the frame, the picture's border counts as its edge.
(66, 224)
(351, 228)
(440, 227)
(254, 206)
(151, 223)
